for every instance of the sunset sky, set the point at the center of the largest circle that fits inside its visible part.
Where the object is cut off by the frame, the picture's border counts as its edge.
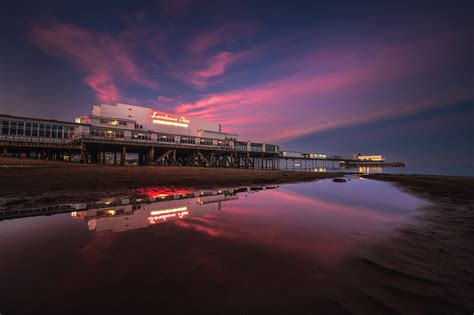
(340, 78)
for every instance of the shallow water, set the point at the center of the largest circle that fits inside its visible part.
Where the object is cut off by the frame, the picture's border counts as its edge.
(276, 250)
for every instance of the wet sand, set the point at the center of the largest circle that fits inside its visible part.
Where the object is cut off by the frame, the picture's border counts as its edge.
(426, 266)
(37, 182)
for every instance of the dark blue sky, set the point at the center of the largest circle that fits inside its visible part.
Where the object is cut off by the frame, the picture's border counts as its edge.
(339, 78)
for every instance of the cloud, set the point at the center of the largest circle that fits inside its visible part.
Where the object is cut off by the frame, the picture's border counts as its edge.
(216, 66)
(328, 89)
(102, 56)
(104, 86)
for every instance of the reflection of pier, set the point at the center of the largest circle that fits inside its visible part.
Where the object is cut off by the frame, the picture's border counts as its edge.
(130, 217)
(157, 204)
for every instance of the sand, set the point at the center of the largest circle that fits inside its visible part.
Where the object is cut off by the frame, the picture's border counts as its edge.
(25, 183)
(424, 267)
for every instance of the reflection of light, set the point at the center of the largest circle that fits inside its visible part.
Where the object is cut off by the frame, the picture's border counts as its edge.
(153, 219)
(162, 192)
(158, 212)
(78, 214)
(110, 212)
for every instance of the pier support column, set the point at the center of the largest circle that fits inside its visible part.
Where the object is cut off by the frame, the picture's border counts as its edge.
(151, 154)
(83, 153)
(174, 157)
(124, 153)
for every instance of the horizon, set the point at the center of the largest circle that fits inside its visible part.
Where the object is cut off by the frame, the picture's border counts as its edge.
(341, 78)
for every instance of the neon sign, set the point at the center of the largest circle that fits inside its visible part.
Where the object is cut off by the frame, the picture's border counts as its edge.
(153, 219)
(165, 119)
(158, 212)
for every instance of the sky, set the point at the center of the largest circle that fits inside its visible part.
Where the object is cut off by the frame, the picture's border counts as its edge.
(343, 77)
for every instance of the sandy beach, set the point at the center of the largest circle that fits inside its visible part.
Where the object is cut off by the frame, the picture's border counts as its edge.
(426, 266)
(27, 182)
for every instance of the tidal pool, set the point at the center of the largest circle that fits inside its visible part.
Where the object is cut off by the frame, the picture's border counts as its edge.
(249, 250)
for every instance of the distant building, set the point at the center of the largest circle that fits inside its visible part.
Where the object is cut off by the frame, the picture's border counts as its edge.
(292, 154)
(373, 158)
(315, 155)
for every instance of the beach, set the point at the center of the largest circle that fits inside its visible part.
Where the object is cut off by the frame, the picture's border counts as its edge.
(425, 266)
(36, 182)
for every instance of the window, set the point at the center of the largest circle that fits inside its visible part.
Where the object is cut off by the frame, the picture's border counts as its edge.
(270, 148)
(21, 128)
(256, 147)
(206, 141)
(142, 136)
(13, 125)
(123, 123)
(164, 138)
(188, 140)
(5, 127)
(28, 129)
(54, 131)
(41, 130)
(241, 146)
(47, 131)
(34, 130)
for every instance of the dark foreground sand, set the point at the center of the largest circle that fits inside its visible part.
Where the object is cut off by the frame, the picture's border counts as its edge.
(36, 182)
(426, 267)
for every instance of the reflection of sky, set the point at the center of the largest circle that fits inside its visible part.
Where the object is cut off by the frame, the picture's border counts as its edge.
(379, 196)
(256, 250)
(320, 218)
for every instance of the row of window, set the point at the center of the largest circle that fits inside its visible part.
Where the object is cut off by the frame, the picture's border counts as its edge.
(270, 148)
(113, 122)
(166, 138)
(241, 146)
(188, 140)
(30, 129)
(206, 142)
(255, 147)
(107, 133)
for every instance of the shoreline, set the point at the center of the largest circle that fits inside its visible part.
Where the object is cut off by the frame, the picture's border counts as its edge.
(38, 182)
(430, 259)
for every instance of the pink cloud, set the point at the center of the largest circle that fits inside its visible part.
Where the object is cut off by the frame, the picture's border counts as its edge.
(101, 56)
(104, 86)
(332, 89)
(216, 66)
(205, 41)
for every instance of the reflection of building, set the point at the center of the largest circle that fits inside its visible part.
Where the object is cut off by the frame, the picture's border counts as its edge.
(136, 216)
(156, 200)
(372, 158)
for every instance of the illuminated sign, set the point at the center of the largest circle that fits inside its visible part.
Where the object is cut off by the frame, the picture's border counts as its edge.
(153, 219)
(158, 212)
(166, 119)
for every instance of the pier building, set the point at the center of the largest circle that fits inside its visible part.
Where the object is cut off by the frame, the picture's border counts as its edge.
(129, 134)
